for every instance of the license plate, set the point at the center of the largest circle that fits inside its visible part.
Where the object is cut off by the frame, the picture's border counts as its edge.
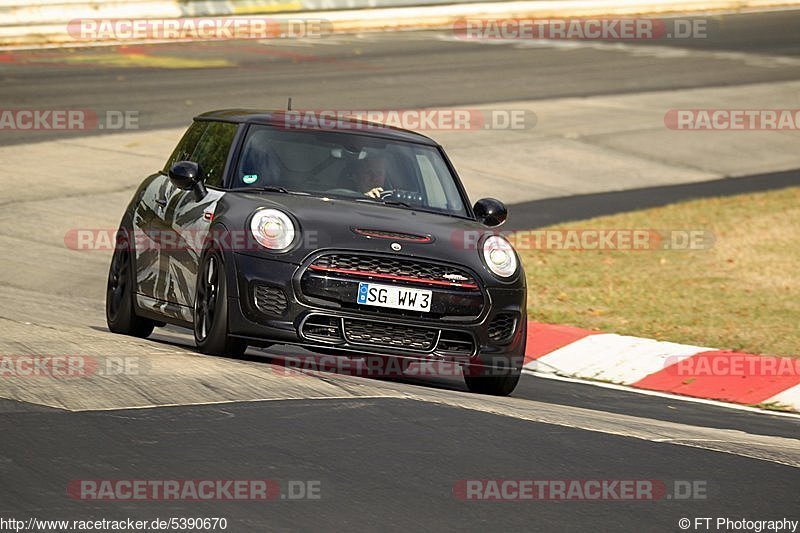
(394, 297)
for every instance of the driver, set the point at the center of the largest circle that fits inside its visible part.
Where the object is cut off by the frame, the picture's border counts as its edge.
(370, 176)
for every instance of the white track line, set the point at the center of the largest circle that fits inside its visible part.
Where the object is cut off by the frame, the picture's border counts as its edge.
(613, 386)
(227, 402)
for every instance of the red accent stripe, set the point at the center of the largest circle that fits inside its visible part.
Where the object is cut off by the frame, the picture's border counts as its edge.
(394, 277)
(546, 338)
(380, 235)
(727, 376)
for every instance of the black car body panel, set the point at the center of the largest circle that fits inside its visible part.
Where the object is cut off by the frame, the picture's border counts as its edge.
(306, 294)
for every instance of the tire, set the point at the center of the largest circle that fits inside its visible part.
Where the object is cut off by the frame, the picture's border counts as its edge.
(120, 306)
(211, 309)
(501, 385)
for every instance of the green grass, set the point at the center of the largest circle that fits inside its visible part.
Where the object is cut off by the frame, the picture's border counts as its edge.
(743, 293)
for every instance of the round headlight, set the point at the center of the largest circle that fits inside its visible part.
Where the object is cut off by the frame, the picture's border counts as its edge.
(272, 229)
(499, 256)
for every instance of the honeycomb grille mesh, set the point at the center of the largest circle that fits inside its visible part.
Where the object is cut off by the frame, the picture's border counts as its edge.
(393, 266)
(390, 335)
(270, 300)
(501, 328)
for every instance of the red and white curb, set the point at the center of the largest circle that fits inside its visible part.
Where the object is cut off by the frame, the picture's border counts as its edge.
(664, 366)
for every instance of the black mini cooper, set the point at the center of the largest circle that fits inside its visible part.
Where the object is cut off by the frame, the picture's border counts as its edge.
(351, 238)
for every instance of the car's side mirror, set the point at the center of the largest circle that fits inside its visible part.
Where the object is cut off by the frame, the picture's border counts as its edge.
(186, 176)
(490, 212)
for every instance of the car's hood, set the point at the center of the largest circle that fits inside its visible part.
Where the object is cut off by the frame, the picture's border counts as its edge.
(330, 224)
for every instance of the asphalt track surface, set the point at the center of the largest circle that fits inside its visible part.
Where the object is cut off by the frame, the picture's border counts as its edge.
(548, 211)
(375, 71)
(391, 463)
(382, 465)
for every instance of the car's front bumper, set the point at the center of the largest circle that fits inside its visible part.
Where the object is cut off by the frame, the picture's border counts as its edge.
(297, 319)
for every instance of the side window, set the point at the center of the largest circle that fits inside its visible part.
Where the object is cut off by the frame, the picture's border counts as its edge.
(212, 150)
(187, 144)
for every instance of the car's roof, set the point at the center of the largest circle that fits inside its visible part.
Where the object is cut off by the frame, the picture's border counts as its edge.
(343, 124)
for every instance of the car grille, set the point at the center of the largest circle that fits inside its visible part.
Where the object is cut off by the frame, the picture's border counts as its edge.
(396, 268)
(501, 328)
(456, 343)
(269, 300)
(389, 335)
(381, 334)
(325, 328)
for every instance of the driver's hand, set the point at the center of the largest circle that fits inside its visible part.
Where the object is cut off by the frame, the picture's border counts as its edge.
(374, 193)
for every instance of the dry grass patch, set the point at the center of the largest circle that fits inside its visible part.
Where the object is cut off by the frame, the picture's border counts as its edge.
(742, 294)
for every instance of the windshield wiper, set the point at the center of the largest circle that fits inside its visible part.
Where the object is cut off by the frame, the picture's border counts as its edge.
(385, 202)
(396, 202)
(268, 188)
(274, 188)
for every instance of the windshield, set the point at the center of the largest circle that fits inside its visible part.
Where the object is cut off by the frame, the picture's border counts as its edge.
(347, 165)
